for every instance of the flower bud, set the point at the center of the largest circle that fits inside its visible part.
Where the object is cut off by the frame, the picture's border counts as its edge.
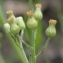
(52, 22)
(31, 22)
(51, 30)
(7, 27)
(14, 28)
(21, 23)
(10, 12)
(10, 20)
(38, 14)
(11, 15)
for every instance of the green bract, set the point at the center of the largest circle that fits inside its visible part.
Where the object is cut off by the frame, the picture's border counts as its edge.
(38, 14)
(7, 27)
(32, 23)
(14, 28)
(21, 23)
(51, 31)
(15, 20)
(11, 15)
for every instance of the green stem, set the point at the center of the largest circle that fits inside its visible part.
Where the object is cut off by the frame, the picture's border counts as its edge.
(19, 51)
(22, 32)
(33, 45)
(25, 58)
(45, 46)
(16, 41)
(37, 1)
(22, 41)
(31, 5)
(26, 44)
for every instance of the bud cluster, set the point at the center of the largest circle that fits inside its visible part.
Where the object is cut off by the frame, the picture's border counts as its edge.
(14, 25)
(34, 17)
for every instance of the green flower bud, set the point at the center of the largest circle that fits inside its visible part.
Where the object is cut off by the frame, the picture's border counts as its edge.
(10, 20)
(38, 14)
(14, 28)
(10, 12)
(7, 27)
(51, 30)
(21, 23)
(31, 22)
(11, 15)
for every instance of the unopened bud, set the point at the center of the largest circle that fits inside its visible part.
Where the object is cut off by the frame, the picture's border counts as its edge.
(30, 14)
(38, 5)
(21, 23)
(31, 22)
(10, 12)
(38, 14)
(11, 15)
(51, 30)
(14, 28)
(52, 22)
(10, 20)
(7, 27)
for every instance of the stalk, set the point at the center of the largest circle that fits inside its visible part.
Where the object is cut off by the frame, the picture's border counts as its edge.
(31, 7)
(45, 46)
(33, 54)
(20, 52)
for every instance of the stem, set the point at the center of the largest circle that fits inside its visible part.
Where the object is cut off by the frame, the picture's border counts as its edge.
(22, 41)
(22, 50)
(45, 46)
(24, 55)
(19, 51)
(27, 44)
(31, 5)
(16, 41)
(33, 45)
(22, 32)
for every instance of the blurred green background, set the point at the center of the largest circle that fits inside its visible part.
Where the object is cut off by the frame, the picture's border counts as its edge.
(51, 9)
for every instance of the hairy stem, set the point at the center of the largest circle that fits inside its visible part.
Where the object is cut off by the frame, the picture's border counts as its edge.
(45, 46)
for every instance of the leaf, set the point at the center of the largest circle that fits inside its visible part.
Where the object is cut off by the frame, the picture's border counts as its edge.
(2, 16)
(39, 35)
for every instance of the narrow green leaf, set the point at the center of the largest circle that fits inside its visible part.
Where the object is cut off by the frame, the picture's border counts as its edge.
(39, 35)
